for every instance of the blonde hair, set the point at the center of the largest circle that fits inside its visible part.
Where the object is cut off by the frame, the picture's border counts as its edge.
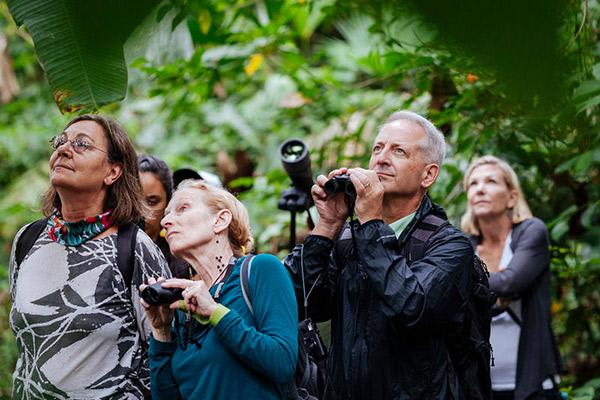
(519, 212)
(217, 199)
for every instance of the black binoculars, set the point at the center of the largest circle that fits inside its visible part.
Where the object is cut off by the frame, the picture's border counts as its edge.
(156, 295)
(340, 184)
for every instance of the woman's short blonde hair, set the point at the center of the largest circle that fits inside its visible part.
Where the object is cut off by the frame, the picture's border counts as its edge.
(520, 211)
(217, 199)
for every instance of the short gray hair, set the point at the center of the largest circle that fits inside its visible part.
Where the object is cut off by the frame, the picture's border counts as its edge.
(435, 149)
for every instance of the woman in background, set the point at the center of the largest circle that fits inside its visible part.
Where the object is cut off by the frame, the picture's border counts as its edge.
(157, 185)
(515, 247)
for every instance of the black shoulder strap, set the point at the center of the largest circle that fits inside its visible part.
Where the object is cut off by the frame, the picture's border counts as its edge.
(126, 239)
(245, 281)
(28, 238)
(419, 237)
(343, 244)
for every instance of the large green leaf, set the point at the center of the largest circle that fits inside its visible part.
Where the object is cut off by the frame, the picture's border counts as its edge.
(80, 46)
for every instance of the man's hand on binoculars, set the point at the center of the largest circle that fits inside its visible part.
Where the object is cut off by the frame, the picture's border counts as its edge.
(332, 209)
(369, 194)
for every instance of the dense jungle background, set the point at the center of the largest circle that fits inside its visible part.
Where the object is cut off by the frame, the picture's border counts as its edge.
(218, 85)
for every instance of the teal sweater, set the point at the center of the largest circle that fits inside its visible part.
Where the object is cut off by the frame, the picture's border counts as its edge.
(242, 356)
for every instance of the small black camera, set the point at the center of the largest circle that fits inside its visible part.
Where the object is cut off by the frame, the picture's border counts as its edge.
(341, 184)
(311, 338)
(156, 295)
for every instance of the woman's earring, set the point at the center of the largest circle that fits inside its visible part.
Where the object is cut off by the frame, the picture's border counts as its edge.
(220, 264)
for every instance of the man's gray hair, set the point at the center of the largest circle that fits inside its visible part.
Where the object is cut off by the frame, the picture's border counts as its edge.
(435, 148)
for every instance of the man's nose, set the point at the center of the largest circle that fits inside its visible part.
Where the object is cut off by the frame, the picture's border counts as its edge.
(381, 158)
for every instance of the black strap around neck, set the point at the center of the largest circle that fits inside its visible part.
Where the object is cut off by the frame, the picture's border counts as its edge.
(221, 282)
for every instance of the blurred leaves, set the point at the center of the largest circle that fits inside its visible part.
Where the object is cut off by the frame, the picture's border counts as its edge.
(81, 47)
(248, 75)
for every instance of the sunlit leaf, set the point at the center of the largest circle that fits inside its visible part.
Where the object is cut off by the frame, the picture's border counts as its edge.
(253, 64)
(81, 47)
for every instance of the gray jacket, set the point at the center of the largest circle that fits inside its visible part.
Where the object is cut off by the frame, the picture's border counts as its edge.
(527, 277)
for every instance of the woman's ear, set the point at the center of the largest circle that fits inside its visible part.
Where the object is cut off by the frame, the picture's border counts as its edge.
(114, 173)
(222, 221)
(512, 199)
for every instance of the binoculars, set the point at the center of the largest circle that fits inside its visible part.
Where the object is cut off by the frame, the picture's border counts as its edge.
(340, 184)
(156, 295)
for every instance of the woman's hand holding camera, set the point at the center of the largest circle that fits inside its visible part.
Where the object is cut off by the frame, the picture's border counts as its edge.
(196, 299)
(160, 316)
(196, 296)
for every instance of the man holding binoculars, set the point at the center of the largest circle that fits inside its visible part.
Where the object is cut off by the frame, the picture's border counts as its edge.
(394, 281)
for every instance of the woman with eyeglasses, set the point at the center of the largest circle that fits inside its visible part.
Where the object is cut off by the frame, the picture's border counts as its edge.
(157, 187)
(222, 343)
(76, 314)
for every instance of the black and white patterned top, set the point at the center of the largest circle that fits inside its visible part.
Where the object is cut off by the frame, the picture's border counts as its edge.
(80, 333)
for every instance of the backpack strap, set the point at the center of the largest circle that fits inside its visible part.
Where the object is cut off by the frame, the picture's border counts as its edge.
(419, 237)
(245, 281)
(28, 238)
(126, 240)
(290, 388)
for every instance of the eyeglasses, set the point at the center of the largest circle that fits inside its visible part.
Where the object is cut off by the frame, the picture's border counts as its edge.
(79, 144)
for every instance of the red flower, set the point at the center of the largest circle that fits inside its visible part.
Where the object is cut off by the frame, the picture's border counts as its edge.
(471, 78)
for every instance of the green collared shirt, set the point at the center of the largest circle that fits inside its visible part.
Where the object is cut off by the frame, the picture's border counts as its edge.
(400, 224)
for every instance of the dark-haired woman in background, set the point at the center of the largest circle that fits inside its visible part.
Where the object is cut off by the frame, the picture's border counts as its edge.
(157, 185)
(515, 247)
(79, 327)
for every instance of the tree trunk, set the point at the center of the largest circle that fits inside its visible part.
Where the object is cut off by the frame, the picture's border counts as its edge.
(8, 81)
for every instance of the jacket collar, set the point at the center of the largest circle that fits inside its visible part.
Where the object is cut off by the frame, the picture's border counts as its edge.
(425, 208)
(516, 231)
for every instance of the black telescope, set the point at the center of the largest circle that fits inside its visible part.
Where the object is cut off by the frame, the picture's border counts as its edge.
(296, 161)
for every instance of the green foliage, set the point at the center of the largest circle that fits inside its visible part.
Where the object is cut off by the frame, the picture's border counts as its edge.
(257, 73)
(81, 46)
(588, 391)
(520, 43)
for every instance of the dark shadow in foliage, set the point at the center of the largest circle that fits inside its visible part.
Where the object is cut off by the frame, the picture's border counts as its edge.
(521, 44)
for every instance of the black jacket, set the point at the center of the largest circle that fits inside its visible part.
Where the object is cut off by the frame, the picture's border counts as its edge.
(389, 319)
(527, 276)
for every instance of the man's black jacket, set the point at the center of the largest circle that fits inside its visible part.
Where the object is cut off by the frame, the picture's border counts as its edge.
(389, 319)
